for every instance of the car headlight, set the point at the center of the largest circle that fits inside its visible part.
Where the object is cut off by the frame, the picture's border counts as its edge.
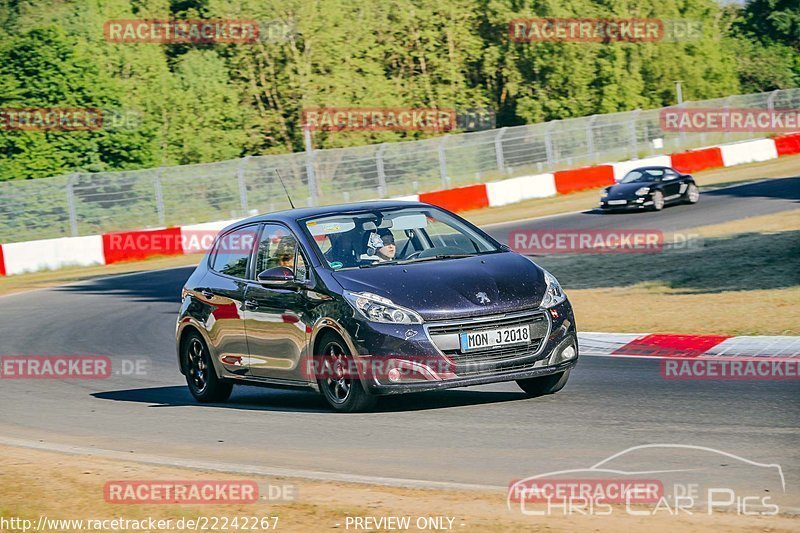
(603, 194)
(554, 294)
(379, 309)
(641, 191)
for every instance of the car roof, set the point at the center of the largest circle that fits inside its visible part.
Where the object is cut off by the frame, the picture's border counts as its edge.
(652, 167)
(293, 215)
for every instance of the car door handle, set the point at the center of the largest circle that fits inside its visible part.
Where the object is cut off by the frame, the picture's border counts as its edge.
(250, 304)
(207, 294)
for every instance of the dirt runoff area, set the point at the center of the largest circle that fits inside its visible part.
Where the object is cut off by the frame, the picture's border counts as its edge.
(62, 492)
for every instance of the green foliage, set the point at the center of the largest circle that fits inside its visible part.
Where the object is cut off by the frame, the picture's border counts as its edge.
(767, 41)
(212, 102)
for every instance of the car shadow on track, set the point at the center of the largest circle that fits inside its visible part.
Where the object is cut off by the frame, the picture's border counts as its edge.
(154, 286)
(259, 399)
(779, 188)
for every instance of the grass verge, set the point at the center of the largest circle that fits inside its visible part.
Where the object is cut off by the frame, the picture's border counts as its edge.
(37, 483)
(741, 278)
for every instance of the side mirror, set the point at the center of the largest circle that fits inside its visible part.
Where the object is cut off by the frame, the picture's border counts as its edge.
(277, 277)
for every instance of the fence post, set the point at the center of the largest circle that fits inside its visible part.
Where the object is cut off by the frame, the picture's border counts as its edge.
(159, 197)
(240, 176)
(548, 142)
(498, 148)
(443, 163)
(771, 99)
(632, 127)
(73, 219)
(590, 138)
(381, 171)
(727, 106)
(682, 133)
(312, 178)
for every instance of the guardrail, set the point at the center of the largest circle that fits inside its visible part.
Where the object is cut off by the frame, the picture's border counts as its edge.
(93, 203)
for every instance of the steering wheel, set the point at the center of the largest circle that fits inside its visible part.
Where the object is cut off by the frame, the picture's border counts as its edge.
(414, 255)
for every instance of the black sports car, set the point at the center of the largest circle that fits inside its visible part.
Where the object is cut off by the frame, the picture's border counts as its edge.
(650, 188)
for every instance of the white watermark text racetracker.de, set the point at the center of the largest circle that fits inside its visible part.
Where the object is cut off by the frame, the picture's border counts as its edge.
(70, 367)
(572, 241)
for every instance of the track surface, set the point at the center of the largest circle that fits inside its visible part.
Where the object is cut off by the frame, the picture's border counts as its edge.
(484, 435)
(715, 207)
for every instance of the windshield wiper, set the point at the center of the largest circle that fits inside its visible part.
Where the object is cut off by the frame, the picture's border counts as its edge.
(378, 263)
(434, 257)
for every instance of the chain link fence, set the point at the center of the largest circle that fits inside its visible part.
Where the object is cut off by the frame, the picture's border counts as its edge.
(87, 204)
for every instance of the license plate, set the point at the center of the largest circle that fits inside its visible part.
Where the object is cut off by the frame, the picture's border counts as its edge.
(495, 337)
(617, 202)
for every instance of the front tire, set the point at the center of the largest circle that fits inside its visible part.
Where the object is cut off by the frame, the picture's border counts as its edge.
(345, 394)
(201, 377)
(544, 385)
(658, 201)
(692, 194)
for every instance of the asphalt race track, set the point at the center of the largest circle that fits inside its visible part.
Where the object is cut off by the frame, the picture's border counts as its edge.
(715, 207)
(486, 435)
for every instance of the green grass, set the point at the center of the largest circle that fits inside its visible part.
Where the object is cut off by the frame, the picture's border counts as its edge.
(741, 262)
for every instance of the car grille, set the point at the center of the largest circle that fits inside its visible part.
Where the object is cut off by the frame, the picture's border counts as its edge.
(479, 325)
(496, 358)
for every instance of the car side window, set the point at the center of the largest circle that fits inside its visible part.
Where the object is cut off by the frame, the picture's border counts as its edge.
(669, 175)
(232, 252)
(279, 247)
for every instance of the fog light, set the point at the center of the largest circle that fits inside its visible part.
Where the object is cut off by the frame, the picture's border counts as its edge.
(394, 375)
(564, 355)
(568, 353)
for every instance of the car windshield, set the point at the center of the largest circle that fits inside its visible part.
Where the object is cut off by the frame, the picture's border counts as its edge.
(643, 174)
(391, 236)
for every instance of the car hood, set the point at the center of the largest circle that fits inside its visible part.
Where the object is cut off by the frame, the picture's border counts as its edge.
(628, 189)
(451, 288)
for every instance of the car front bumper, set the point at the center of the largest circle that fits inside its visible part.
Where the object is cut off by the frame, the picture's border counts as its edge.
(422, 366)
(630, 204)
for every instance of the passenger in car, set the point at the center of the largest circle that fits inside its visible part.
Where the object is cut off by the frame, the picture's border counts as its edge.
(380, 246)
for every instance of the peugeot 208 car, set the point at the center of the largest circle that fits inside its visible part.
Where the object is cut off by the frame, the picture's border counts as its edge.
(362, 300)
(650, 188)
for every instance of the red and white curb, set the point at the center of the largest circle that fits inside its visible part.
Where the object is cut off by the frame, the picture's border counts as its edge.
(21, 257)
(665, 346)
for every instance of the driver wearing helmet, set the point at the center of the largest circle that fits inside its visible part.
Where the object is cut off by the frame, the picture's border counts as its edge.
(381, 246)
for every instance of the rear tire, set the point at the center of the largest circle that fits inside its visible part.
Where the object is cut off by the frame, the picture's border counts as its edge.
(692, 194)
(344, 394)
(544, 385)
(658, 201)
(201, 377)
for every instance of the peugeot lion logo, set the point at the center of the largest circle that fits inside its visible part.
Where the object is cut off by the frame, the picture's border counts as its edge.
(482, 298)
